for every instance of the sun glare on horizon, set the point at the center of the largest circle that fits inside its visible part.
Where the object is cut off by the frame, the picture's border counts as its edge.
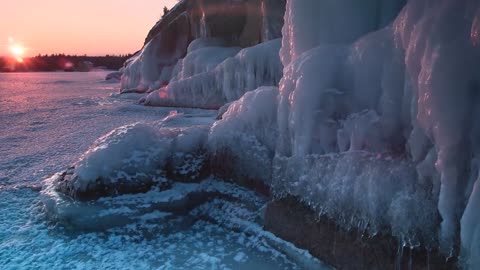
(16, 50)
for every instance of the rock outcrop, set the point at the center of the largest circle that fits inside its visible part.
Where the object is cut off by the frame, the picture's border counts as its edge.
(295, 222)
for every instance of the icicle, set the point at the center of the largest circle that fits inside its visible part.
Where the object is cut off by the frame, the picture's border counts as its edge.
(398, 264)
(265, 26)
(410, 259)
(203, 26)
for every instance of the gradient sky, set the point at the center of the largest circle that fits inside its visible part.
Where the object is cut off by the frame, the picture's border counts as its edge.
(92, 27)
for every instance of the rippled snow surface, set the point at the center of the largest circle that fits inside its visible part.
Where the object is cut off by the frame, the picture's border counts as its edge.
(47, 120)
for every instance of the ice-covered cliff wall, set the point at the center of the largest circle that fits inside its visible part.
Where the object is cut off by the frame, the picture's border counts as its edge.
(376, 118)
(408, 90)
(228, 24)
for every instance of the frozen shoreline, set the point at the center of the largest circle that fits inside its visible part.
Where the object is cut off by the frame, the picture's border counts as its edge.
(50, 120)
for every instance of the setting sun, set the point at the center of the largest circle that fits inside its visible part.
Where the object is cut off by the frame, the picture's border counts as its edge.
(17, 50)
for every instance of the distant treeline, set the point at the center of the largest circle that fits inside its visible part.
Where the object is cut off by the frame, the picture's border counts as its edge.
(55, 62)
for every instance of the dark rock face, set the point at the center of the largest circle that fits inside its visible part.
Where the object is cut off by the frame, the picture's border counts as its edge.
(174, 39)
(117, 75)
(103, 188)
(239, 22)
(84, 66)
(220, 18)
(273, 12)
(223, 166)
(294, 222)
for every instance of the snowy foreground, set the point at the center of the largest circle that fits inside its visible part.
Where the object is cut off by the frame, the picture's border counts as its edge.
(52, 120)
(374, 123)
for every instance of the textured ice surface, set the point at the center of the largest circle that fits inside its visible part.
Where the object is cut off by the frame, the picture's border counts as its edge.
(48, 120)
(145, 242)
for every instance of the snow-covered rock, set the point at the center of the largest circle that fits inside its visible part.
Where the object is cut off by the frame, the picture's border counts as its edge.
(136, 157)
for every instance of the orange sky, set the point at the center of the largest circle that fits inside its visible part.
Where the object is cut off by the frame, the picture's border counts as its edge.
(93, 27)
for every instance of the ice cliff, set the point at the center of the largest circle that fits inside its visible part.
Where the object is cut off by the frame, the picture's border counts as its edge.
(374, 123)
(408, 90)
(207, 53)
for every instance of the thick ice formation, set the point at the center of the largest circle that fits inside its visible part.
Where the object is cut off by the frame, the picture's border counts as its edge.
(198, 84)
(311, 23)
(203, 55)
(442, 63)
(409, 90)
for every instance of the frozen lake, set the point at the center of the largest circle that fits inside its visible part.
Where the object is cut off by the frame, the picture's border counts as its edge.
(47, 120)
